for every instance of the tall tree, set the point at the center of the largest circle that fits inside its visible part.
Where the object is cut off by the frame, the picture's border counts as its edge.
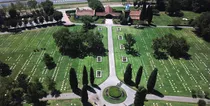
(73, 79)
(50, 84)
(149, 14)
(85, 76)
(32, 4)
(201, 102)
(143, 15)
(128, 74)
(13, 13)
(173, 7)
(138, 76)
(35, 91)
(84, 94)
(48, 7)
(22, 81)
(200, 5)
(57, 15)
(140, 96)
(130, 41)
(186, 4)
(152, 80)
(4, 69)
(41, 19)
(48, 60)
(87, 20)
(92, 77)
(160, 5)
(96, 5)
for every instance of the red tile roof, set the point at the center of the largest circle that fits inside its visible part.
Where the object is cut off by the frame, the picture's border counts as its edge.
(108, 9)
(135, 15)
(85, 12)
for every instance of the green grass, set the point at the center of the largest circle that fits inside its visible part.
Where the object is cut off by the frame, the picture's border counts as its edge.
(111, 99)
(166, 103)
(73, 102)
(164, 19)
(98, 21)
(17, 50)
(175, 77)
(123, 8)
(114, 92)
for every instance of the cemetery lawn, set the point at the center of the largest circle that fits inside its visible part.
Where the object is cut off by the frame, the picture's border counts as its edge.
(17, 50)
(165, 19)
(175, 77)
(166, 103)
(73, 102)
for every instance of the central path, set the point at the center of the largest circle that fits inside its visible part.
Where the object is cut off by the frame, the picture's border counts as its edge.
(112, 79)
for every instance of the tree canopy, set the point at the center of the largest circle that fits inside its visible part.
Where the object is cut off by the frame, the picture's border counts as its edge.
(32, 4)
(160, 5)
(48, 7)
(171, 45)
(78, 43)
(140, 96)
(57, 15)
(96, 5)
(48, 60)
(4, 69)
(203, 25)
(173, 7)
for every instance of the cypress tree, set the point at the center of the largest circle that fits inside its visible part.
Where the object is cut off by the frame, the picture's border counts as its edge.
(140, 96)
(138, 76)
(84, 94)
(128, 74)
(92, 77)
(152, 80)
(73, 79)
(143, 14)
(149, 14)
(85, 76)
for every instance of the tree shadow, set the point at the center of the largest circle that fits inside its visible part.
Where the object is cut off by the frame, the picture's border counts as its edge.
(131, 83)
(77, 91)
(153, 25)
(56, 93)
(157, 93)
(96, 86)
(133, 52)
(89, 88)
(185, 56)
(177, 28)
(87, 104)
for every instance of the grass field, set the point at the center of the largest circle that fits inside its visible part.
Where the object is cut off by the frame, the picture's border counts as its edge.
(73, 102)
(164, 19)
(17, 50)
(175, 77)
(98, 21)
(165, 103)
